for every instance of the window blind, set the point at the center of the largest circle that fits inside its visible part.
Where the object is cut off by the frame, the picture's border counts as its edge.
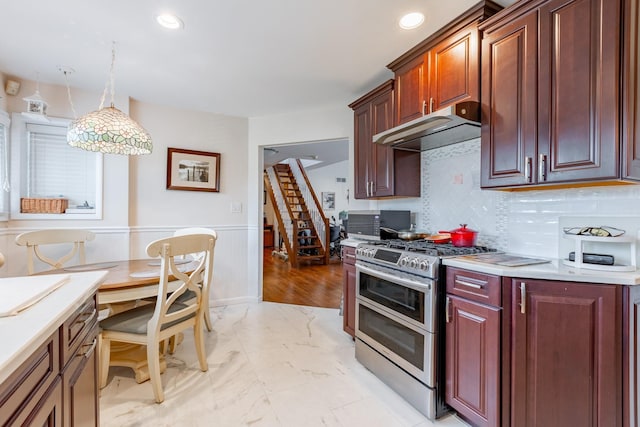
(55, 169)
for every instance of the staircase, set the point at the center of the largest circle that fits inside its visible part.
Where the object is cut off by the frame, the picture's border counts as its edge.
(301, 222)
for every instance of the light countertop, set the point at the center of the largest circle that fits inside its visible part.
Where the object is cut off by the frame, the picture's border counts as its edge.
(22, 333)
(554, 270)
(351, 242)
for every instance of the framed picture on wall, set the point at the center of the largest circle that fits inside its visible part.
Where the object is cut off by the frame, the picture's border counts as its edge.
(328, 200)
(193, 170)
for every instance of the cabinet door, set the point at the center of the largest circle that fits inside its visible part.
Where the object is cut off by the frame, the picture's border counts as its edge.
(473, 361)
(411, 80)
(454, 70)
(80, 379)
(509, 103)
(631, 91)
(382, 155)
(362, 142)
(349, 290)
(566, 354)
(579, 84)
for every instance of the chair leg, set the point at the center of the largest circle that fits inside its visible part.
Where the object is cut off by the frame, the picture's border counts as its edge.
(198, 337)
(105, 355)
(173, 343)
(153, 362)
(207, 316)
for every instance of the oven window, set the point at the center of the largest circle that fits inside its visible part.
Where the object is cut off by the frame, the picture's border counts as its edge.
(406, 301)
(403, 341)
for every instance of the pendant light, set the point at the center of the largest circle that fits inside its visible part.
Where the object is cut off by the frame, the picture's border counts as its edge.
(109, 130)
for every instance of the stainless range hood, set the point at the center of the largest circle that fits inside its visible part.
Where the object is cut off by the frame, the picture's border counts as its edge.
(457, 123)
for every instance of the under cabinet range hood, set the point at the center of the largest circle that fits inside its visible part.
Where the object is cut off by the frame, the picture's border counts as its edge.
(457, 123)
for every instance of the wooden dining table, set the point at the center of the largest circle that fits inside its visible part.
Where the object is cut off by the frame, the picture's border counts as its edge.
(126, 285)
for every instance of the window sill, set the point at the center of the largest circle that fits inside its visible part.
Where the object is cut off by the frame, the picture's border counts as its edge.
(91, 214)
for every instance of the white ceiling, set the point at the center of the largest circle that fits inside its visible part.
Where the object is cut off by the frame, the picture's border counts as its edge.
(235, 57)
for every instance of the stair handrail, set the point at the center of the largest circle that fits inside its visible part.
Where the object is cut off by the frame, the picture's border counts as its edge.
(283, 213)
(318, 218)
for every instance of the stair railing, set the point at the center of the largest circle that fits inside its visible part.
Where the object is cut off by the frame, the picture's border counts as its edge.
(320, 222)
(283, 214)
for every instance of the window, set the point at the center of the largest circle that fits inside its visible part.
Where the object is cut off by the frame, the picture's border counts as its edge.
(44, 166)
(4, 166)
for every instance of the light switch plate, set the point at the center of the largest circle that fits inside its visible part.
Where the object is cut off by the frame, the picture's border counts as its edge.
(236, 207)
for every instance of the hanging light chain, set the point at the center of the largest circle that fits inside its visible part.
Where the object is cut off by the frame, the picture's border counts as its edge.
(73, 108)
(110, 84)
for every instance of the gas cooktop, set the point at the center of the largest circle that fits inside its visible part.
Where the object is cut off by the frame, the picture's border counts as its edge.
(430, 248)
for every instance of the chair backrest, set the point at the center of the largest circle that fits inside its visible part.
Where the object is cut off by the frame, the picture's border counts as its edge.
(168, 249)
(33, 240)
(197, 230)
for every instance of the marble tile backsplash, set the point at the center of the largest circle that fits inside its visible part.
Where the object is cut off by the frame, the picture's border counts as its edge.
(520, 222)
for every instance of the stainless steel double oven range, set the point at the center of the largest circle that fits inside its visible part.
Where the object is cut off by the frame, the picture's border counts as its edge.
(399, 322)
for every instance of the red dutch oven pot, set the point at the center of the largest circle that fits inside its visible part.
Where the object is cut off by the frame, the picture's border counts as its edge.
(462, 236)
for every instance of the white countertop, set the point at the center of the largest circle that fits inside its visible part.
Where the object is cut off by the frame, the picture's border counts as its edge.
(351, 242)
(555, 270)
(22, 333)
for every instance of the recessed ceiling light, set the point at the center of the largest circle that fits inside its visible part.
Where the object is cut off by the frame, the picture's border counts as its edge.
(169, 21)
(411, 20)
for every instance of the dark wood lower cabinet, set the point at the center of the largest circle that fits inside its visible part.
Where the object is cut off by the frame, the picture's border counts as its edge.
(80, 379)
(58, 383)
(473, 361)
(349, 290)
(566, 350)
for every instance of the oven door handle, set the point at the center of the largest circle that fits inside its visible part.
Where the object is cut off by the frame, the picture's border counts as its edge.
(395, 279)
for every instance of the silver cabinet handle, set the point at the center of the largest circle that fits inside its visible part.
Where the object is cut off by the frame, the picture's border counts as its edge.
(92, 346)
(431, 101)
(523, 297)
(446, 309)
(373, 188)
(527, 169)
(424, 107)
(542, 166)
(469, 284)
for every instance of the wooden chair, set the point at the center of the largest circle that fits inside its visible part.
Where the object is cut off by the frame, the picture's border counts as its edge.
(205, 285)
(153, 324)
(33, 240)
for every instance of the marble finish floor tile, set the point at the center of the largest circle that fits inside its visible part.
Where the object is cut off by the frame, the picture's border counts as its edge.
(270, 365)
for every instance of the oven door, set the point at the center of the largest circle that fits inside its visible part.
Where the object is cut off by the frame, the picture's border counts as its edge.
(402, 343)
(400, 294)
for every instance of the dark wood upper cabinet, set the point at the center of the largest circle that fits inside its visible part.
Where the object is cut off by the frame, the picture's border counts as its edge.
(631, 90)
(509, 102)
(441, 70)
(380, 171)
(551, 93)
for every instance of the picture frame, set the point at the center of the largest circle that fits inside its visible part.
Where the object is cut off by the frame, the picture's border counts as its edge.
(328, 200)
(193, 170)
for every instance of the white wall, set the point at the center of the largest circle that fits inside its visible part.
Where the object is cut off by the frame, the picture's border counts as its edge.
(137, 206)
(318, 125)
(324, 180)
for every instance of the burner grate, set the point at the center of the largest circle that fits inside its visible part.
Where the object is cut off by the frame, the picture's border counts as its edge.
(434, 249)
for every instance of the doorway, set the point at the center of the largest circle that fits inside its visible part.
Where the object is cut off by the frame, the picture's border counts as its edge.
(312, 285)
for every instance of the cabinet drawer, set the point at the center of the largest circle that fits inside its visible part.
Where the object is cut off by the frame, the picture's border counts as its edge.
(480, 287)
(76, 327)
(348, 255)
(20, 393)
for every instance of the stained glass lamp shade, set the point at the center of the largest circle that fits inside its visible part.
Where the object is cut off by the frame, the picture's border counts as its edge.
(109, 130)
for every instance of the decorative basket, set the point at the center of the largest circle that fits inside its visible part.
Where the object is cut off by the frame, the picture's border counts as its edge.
(52, 206)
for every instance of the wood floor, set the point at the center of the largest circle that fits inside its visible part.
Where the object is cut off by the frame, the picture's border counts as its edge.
(312, 285)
